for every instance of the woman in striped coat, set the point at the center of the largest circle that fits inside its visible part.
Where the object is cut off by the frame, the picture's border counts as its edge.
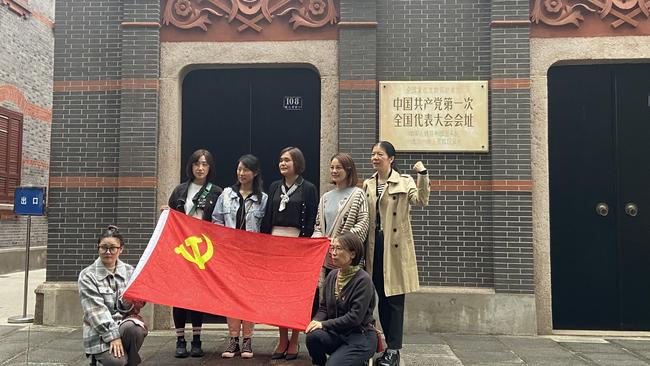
(343, 209)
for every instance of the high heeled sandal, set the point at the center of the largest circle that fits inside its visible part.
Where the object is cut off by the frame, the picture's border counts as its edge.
(292, 356)
(280, 355)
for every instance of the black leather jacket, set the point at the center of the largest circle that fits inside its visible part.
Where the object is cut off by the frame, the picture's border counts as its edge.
(177, 199)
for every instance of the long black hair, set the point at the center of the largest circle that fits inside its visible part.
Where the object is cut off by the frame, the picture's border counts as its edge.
(194, 158)
(390, 151)
(252, 163)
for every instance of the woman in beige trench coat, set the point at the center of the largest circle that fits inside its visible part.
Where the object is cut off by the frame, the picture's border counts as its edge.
(390, 251)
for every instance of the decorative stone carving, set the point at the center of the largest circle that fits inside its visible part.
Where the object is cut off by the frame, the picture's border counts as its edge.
(187, 14)
(563, 12)
(17, 7)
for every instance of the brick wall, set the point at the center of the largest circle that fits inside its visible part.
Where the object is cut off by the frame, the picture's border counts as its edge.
(26, 88)
(104, 130)
(479, 237)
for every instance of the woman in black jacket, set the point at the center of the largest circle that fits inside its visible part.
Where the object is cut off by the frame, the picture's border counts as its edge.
(290, 211)
(196, 197)
(343, 327)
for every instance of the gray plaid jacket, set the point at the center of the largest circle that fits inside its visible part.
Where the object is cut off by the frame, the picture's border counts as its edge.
(99, 290)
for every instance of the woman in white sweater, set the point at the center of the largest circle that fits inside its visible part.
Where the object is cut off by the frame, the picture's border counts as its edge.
(343, 209)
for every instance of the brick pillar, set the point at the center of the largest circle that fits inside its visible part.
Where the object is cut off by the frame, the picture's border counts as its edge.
(104, 130)
(138, 131)
(358, 128)
(511, 146)
(104, 139)
(85, 134)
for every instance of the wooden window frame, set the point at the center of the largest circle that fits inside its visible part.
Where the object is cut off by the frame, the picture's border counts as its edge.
(14, 121)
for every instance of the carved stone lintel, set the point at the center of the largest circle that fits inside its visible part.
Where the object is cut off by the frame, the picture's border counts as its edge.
(249, 14)
(564, 12)
(17, 8)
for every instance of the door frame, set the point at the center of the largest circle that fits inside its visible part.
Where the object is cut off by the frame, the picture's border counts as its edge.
(178, 58)
(545, 53)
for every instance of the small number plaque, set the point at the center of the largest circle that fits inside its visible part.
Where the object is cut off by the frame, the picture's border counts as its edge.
(292, 103)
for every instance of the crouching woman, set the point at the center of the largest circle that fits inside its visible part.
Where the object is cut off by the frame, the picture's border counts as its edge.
(343, 327)
(113, 330)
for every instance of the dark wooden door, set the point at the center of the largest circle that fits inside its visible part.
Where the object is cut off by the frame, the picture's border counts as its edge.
(632, 87)
(232, 112)
(600, 265)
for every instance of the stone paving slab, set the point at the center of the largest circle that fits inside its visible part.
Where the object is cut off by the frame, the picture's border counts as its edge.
(539, 351)
(638, 347)
(12, 293)
(481, 350)
(431, 354)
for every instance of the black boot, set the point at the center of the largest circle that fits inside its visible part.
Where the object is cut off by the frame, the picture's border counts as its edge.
(389, 359)
(196, 350)
(181, 348)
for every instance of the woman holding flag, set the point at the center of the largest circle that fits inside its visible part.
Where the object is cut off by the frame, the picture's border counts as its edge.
(196, 197)
(291, 212)
(113, 330)
(242, 207)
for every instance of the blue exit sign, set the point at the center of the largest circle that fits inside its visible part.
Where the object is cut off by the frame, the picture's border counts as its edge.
(29, 201)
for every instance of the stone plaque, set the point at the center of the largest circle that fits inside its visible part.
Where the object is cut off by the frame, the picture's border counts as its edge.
(441, 116)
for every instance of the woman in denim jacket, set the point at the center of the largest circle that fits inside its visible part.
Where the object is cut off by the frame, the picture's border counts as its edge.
(242, 207)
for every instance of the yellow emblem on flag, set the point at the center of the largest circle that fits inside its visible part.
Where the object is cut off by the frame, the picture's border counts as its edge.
(196, 257)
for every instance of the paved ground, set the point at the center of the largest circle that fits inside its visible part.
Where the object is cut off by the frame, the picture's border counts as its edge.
(38, 345)
(11, 293)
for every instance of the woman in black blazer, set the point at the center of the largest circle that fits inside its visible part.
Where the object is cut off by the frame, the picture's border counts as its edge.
(290, 211)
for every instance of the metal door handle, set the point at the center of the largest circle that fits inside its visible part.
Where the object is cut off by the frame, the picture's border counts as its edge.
(631, 209)
(602, 209)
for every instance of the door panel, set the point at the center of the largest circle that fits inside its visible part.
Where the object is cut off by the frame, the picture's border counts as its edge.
(599, 124)
(581, 167)
(232, 112)
(633, 135)
(277, 128)
(216, 116)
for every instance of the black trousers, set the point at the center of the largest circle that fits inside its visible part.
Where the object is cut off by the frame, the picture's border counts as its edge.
(391, 308)
(132, 337)
(180, 318)
(351, 349)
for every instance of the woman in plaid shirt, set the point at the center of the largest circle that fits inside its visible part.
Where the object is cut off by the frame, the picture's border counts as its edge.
(113, 330)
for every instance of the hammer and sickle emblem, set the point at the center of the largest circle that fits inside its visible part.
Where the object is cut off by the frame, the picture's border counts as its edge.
(195, 257)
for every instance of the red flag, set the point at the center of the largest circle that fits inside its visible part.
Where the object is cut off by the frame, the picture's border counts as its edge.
(197, 265)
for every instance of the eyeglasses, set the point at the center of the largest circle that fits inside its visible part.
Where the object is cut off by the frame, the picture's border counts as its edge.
(104, 250)
(336, 248)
